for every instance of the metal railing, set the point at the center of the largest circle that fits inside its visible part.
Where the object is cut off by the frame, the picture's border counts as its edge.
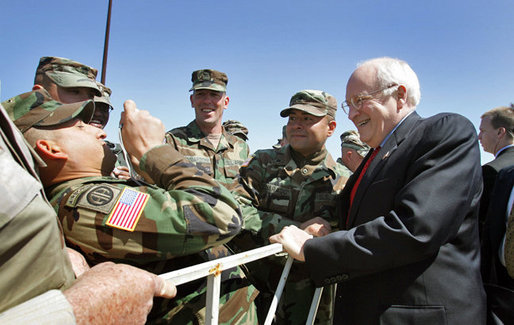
(212, 270)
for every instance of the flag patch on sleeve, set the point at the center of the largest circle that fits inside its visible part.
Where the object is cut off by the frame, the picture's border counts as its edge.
(127, 210)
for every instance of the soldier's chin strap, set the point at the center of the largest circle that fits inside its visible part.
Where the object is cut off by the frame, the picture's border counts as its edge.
(132, 173)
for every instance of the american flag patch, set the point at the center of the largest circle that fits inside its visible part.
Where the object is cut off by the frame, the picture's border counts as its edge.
(127, 210)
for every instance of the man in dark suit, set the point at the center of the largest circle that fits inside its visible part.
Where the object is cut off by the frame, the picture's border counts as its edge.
(410, 251)
(497, 137)
(498, 284)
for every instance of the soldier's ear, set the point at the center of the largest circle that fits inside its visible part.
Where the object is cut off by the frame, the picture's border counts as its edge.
(331, 127)
(37, 87)
(48, 149)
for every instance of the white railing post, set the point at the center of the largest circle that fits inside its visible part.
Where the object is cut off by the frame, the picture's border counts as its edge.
(213, 299)
(314, 306)
(212, 270)
(278, 292)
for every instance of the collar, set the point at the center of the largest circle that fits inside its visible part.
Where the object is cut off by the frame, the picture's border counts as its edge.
(502, 149)
(394, 129)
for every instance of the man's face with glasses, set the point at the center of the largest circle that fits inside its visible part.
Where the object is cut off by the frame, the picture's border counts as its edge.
(373, 113)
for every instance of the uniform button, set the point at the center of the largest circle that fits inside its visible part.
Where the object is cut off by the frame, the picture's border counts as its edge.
(304, 171)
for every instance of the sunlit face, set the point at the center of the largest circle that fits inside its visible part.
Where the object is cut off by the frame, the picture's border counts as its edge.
(488, 135)
(85, 147)
(307, 133)
(101, 115)
(209, 106)
(378, 115)
(70, 95)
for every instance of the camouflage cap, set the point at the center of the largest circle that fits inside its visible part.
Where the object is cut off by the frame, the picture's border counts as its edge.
(236, 128)
(314, 102)
(106, 95)
(209, 79)
(67, 73)
(351, 139)
(37, 108)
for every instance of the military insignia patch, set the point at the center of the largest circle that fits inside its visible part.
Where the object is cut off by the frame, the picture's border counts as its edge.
(127, 210)
(96, 197)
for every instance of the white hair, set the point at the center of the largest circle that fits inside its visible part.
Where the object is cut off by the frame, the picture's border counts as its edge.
(396, 71)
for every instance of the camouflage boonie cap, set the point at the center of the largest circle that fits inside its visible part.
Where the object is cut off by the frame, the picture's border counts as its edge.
(351, 139)
(209, 79)
(236, 128)
(68, 73)
(314, 102)
(37, 108)
(106, 95)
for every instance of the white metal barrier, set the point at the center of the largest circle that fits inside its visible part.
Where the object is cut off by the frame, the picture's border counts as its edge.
(212, 270)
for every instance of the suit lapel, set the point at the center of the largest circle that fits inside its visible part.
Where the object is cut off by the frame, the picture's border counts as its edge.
(389, 149)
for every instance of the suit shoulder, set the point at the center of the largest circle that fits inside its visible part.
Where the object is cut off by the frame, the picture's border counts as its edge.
(450, 125)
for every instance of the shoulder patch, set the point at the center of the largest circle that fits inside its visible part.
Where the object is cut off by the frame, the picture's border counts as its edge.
(128, 209)
(96, 197)
(247, 162)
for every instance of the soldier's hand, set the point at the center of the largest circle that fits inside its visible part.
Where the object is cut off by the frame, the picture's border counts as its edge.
(317, 227)
(293, 240)
(121, 172)
(141, 131)
(116, 294)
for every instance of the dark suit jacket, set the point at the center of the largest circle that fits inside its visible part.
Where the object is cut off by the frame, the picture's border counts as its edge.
(411, 254)
(498, 284)
(489, 173)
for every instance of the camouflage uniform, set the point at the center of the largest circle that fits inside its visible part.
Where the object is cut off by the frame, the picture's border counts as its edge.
(342, 169)
(193, 214)
(236, 128)
(33, 259)
(221, 163)
(186, 212)
(285, 188)
(66, 73)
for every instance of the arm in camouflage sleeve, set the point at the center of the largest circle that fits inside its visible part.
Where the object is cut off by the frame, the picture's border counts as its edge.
(185, 213)
(260, 222)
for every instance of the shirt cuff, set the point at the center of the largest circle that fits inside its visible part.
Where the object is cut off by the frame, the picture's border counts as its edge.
(50, 307)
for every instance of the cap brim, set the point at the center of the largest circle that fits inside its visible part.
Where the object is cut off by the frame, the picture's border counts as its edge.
(302, 107)
(69, 80)
(66, 112)
(102, 99)
(208, 85)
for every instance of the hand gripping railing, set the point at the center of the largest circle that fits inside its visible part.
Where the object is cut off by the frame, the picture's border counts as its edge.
(212, 270)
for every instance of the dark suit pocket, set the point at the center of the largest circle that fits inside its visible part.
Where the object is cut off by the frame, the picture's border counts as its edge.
(408, 315)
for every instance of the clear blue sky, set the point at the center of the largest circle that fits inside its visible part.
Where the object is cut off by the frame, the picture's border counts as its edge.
(462, 51)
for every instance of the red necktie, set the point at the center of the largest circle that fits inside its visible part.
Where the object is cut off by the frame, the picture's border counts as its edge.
(356, 185)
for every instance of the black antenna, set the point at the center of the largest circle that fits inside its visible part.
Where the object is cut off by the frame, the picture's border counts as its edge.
(106, 43)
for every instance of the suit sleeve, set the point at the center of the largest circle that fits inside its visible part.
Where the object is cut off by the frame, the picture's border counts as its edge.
(419, 200)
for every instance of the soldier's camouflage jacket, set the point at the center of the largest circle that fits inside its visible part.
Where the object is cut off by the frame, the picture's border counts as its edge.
(278, 192)
(282, 188)
(186, 212)
(222, 163)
